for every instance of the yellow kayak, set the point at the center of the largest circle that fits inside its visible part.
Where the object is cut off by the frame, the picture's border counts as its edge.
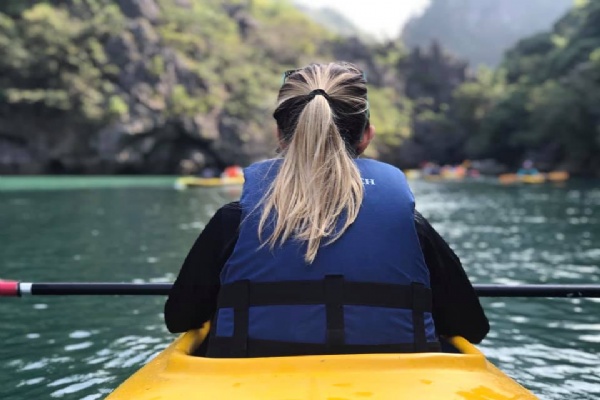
(175, 375)
(537, 178)
(413, 174)
(554, 176)
(192, 181)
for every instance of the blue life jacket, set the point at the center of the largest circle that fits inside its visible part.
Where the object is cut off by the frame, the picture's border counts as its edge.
(367, 292)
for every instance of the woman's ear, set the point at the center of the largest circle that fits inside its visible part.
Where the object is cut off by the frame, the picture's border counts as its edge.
(368, 135)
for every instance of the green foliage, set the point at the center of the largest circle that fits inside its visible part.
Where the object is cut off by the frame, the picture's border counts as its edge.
(182, 103)
(232, 52)
(55, 59)
(117, 106)
(286, 35)
(550, 99)
(221, 61)
(157, 66)
(472, 103)
(389, 55)
(240, 66)
(391, 116)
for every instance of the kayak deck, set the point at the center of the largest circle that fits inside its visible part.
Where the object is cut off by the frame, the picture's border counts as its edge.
(174, 374)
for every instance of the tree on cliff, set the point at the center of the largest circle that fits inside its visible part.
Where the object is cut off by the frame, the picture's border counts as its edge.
(549, 108)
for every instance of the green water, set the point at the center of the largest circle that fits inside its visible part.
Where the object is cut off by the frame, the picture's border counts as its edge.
(76, 229)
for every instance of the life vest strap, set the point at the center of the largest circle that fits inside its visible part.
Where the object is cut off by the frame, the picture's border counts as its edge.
(241, 319)
(314, 292)
(333, 286)
(333, 292)
(419, 306)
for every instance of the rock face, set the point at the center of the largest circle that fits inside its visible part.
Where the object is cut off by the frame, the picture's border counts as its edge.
(432, 75)
(147, 9)
(122, 97)
(175, 86)
(167, 86)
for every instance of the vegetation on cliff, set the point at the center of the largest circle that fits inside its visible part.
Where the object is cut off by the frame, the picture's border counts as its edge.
(171, 86)
(154, 85)
(139, 85)
(542, 103)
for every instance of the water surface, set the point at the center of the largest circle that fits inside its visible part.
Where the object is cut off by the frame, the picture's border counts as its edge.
(106, 230)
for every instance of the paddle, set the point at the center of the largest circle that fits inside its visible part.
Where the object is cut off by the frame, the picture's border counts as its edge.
(15, 289)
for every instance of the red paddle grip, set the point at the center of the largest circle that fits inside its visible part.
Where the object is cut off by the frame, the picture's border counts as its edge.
(9, 288)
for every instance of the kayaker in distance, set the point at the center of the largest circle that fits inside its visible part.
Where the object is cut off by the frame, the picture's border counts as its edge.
(324, 253)
(232, 171)
(527, 169)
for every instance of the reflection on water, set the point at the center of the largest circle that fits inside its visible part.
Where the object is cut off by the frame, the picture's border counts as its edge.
(82, 347)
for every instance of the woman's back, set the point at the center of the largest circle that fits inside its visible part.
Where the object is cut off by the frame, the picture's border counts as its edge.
(374, 276)
(325, 252)
(328, 258)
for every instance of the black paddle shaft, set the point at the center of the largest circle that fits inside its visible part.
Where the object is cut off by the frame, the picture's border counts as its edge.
(488, 290)
(100, 288)
(541, 290)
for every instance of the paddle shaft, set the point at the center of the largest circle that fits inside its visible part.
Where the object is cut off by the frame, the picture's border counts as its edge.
(12, 288)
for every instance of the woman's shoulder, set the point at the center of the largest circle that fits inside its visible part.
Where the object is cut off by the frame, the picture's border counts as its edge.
(226, 219)
(230, 208)
(262, 168)
(380, 164)
(369, 164)
(227, 214)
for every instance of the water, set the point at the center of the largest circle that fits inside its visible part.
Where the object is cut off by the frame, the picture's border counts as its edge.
(82, 347)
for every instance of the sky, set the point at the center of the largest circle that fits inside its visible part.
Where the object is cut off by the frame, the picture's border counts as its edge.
(381, 18)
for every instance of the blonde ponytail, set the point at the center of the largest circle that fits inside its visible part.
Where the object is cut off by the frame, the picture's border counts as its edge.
(318, 184)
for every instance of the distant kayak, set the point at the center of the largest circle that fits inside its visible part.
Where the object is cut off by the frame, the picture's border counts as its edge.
(413, 174)
(192, 181)
(555, 176)
(175, 374)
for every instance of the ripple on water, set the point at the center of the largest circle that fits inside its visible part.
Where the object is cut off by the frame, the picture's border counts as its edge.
(78, 382)
(44, 363)
(32, 381)
(127, 352)
(95, 396)
(78, 346)
(80, 334)
(590, 339)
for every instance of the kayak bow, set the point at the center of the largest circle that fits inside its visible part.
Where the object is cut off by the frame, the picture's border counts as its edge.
(175, 374)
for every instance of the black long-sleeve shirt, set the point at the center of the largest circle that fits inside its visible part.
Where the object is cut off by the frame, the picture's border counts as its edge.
(193, 298)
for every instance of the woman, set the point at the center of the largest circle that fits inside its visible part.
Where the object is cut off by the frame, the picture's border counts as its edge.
(324, 253)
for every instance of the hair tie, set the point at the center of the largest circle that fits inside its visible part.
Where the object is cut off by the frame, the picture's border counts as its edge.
(317, 92)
